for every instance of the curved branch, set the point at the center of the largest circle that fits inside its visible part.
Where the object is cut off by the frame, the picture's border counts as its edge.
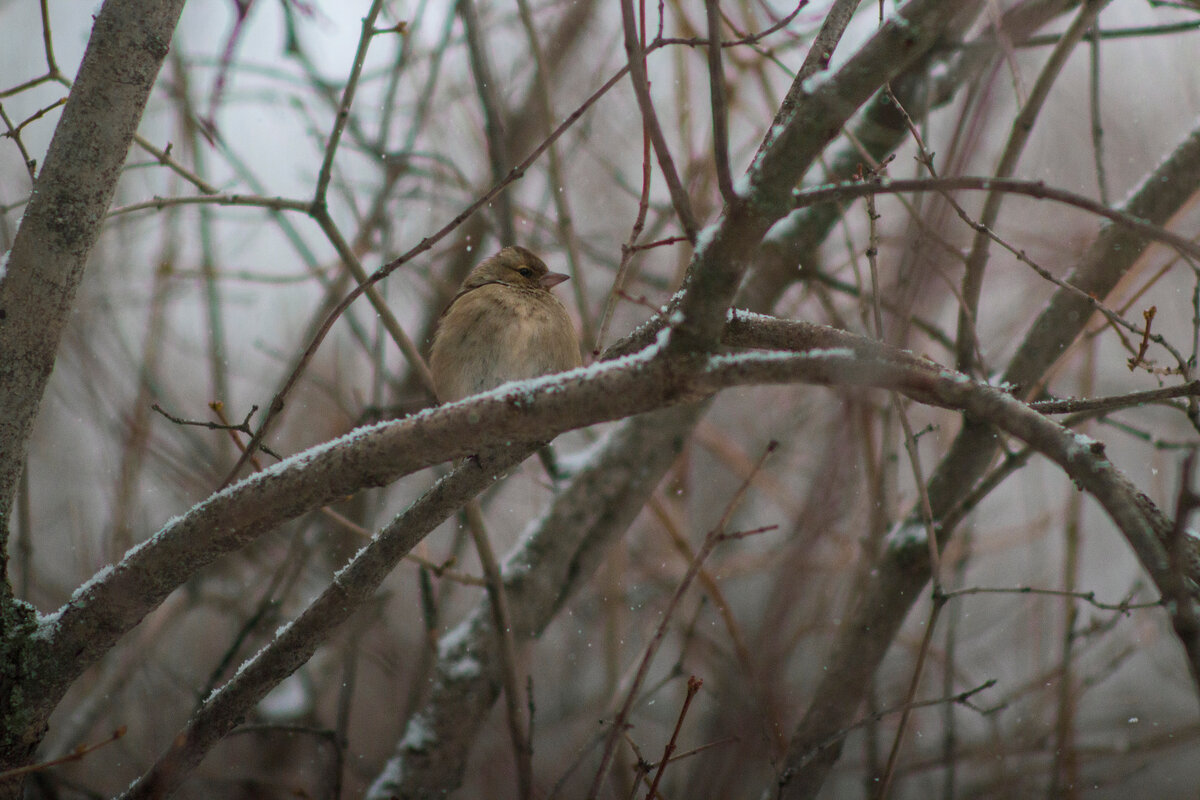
(117, 598)
(295, 643)
(1035, 189)
(552, 561)
(547, 567)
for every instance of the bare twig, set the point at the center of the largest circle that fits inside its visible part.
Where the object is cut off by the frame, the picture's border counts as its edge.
(748, 39)
(557, 177)
(1022, 127)
(636, 63)
(493, 116)
(962, 698)
(628, 248)
(519, 728)
(693, 686)
(1036, 189)
(714, 537)
(885, 784)
(719, 102)
(1124, 607)
(75, 755)
(366, 34)
(1094, 36)
(1077, 405)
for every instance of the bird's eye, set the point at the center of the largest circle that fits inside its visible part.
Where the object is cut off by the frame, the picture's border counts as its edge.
(526, 272)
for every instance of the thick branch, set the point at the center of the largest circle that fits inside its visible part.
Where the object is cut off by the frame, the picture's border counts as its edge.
(38, 281)
(66, 210)
(547, 568)
(352, 586)
(557, 556)
(526, 413)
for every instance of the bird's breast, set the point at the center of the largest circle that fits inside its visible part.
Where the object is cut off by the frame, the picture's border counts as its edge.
(497, 334)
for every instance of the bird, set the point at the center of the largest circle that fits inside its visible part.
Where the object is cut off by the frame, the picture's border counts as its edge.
(503, 325)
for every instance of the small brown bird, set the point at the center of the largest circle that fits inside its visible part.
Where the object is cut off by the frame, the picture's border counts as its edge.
(503, 325)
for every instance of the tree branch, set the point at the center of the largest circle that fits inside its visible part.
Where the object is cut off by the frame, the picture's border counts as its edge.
(66, 210)
(872, 624)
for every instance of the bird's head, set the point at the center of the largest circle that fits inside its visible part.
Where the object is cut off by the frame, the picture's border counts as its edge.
(514, 266)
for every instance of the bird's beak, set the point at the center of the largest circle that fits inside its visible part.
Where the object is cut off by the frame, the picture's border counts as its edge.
(552, 279)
